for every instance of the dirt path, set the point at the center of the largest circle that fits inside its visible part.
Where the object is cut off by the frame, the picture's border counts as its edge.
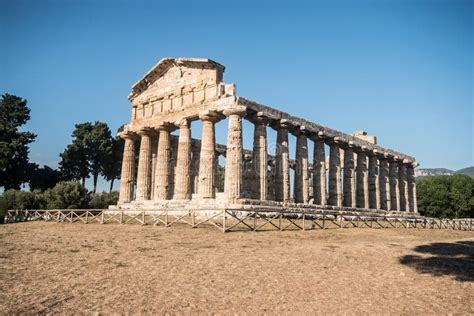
(63, 268)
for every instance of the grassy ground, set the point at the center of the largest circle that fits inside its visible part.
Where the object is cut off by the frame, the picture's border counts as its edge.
(48, 267)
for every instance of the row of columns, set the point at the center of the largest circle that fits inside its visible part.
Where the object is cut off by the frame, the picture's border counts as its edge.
(371, 180)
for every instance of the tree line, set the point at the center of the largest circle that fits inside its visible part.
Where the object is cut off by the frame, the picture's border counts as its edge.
(92, 152)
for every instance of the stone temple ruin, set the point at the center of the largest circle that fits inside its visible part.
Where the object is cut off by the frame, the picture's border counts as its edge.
(178, 172)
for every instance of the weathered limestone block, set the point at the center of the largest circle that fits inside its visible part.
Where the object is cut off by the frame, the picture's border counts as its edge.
(319, 178)
(163, 159)
(374, 189)
(394, 188)
(128, 169)
(144, 166)
(335, 183)
(301, 188)
(282, 169)
(233, 167)
(362, 180)
(413, 207)
(385, 199)
(208, 155)
(182, 184)
(349, 178)
(403, 184)
(260, 158)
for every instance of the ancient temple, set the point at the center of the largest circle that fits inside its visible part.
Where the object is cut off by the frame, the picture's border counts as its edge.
(165, 167)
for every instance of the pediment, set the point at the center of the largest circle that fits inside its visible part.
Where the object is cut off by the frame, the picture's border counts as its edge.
(175, 76)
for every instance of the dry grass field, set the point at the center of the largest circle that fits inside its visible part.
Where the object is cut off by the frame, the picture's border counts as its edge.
(48, 267)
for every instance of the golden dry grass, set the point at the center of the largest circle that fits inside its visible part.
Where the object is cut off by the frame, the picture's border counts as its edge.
(47, 267)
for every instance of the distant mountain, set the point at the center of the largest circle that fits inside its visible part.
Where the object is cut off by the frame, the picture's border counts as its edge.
(467, 171)
(427, 172)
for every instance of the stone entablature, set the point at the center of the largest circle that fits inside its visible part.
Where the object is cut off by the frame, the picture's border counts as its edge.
(355, 173)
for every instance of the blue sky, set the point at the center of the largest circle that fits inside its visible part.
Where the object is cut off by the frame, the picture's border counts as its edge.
(401, 70)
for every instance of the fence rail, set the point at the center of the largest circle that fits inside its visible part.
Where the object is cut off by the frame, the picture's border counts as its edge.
(229, 220)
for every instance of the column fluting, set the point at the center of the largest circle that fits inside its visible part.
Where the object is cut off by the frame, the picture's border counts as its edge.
(182, 183)
(144, 166)
(128, 168)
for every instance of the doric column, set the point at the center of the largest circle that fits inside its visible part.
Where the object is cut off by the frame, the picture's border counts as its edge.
(374, 189)
(403, 183)
(362, 180)
(394, 188)
(182, 183)
(144, 166)
(259, 167)
(282, 169)
(301, 170)
(412, 187)
(335, 183)
(384, 180)
(319, 178)
(208, 155)
(233, 163)
(163, 157)
(128, 168)
(349, 177)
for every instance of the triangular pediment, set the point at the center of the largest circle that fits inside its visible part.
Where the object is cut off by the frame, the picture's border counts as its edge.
(172, 74)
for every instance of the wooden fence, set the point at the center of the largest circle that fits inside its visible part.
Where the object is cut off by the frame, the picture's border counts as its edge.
(238, 220)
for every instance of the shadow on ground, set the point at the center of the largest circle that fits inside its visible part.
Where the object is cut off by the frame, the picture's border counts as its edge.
(455, 259)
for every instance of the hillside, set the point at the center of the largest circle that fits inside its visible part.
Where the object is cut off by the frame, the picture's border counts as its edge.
(428, 172)
(467, 171)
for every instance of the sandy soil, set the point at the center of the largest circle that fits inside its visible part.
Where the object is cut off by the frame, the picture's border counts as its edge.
(48, 267)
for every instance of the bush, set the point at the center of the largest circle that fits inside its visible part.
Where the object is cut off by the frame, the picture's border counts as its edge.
(446, 196)
(103, 200)
(68, 194)
(21, 200)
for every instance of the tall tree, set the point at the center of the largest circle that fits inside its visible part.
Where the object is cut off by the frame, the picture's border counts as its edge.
(112, 168)
(14, 143)
(74, 164)
(99, 144)
(89, 152)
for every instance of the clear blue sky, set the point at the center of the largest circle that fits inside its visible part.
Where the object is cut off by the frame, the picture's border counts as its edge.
(401, 70)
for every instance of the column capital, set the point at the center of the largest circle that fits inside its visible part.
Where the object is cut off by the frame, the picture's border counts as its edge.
(260, 118)
(127, 135)
(165, 126)
(182, 122)
(280, 124)
(145, 131)
(239, 110)
(208, 115)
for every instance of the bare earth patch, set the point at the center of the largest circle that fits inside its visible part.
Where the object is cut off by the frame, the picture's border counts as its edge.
(48, 267)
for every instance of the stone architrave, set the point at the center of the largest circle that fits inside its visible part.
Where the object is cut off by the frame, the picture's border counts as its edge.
(233, 167)
(349, 178)
(208, 155)
(182, 183)
(335, 183)
(282, 168)
(128, 168)
(163, 160)
(319, 178)
(144, 166)
(362, 180)
(260, 158)
(301, 188)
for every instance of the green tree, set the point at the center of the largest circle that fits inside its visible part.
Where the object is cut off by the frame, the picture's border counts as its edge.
(111, 170)
(446, 196)
(14, 143)
(68, 194)
(89, 153)
(43, 178)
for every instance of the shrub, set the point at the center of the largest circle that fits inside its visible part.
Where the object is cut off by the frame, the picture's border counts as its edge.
(68, 194)
(21, 200)
(103, 200)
